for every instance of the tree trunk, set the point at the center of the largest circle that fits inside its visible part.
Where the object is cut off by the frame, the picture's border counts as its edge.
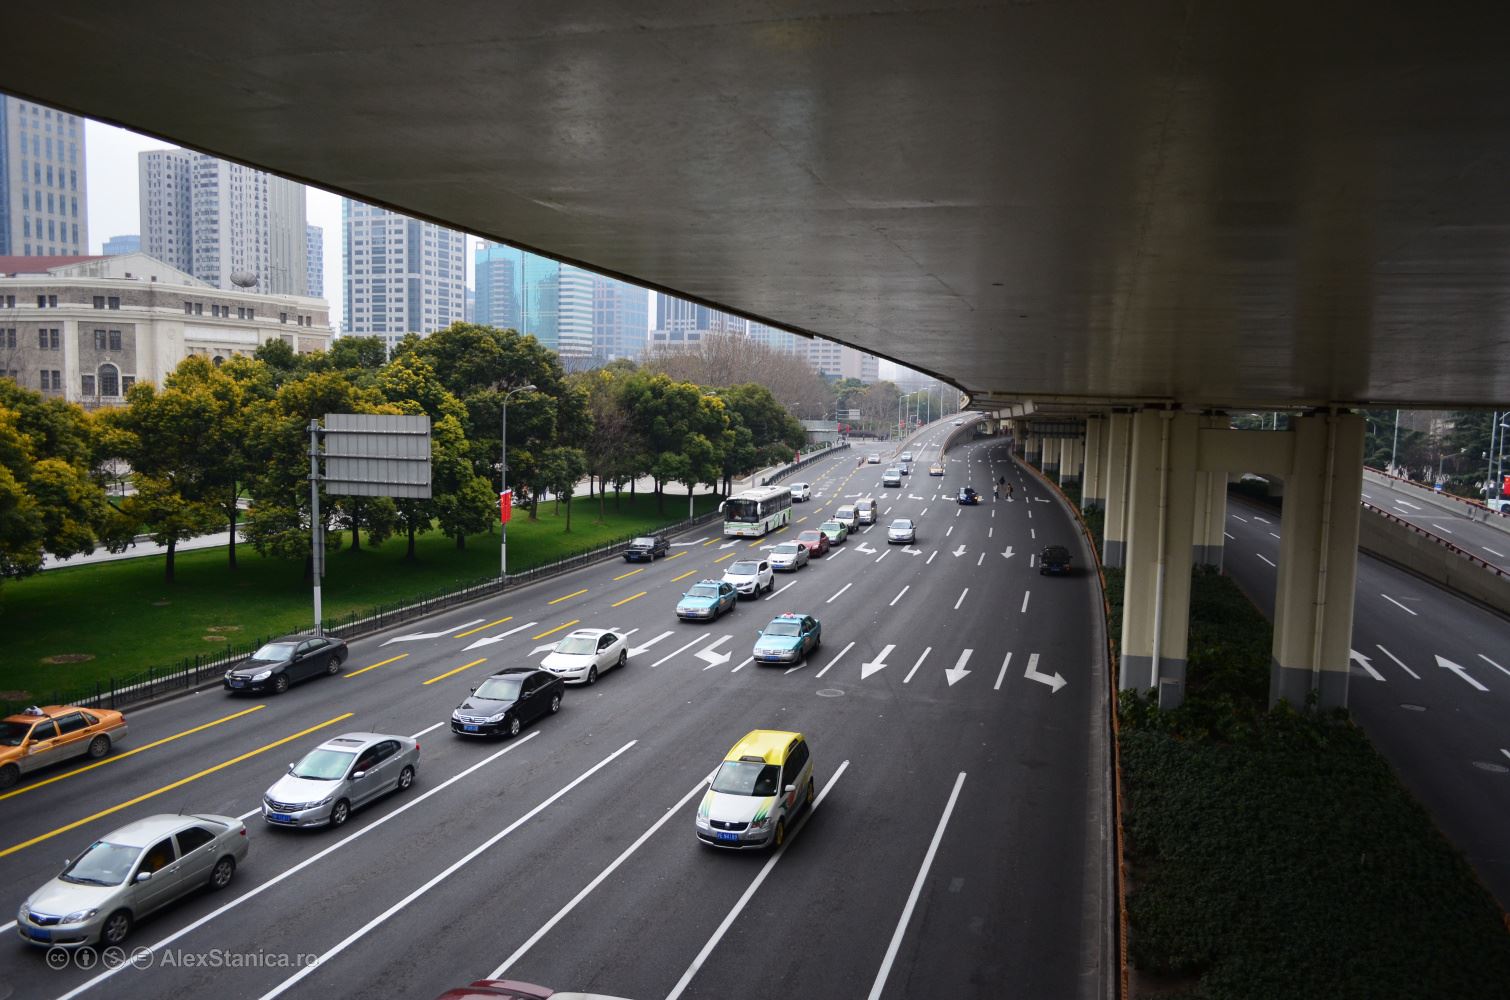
(410, 553)
(568, 513)
(356, 531)
(602, 505)
(168, 566)
(235, 513)
(461, 541)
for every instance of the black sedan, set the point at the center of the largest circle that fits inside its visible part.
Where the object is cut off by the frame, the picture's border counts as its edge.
(507, 701)
(286, 661)
(1055, 560)
(647, 548)
(968, 496)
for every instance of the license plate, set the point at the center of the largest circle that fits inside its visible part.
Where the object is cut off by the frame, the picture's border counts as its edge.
(38, 935)
(280, 817)
(471, 729)
(237, 684)
(728, 836)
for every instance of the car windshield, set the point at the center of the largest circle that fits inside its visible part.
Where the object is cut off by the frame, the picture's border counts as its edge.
(274, 651)
(902, 524)
(844, 512)
(323, 765)
(498, 689)
(744, 567)
(786, 549)
(103, 863)
(831, 526)
(703, 590)
(12, 733)
(744, 777)
(644, 542)
(578, 645)
(783, 626)
(810, 535)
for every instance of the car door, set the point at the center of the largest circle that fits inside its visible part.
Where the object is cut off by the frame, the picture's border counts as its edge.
(530, 697)
(196, 856)
(365, 788)
(605, 656)
(73, 735)
(764, 574)
(40, 748)
(161, 860)
(387, 767)
(316, 654)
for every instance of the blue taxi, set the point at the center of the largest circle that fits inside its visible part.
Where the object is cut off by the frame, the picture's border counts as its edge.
(706, 600)
(788, 638)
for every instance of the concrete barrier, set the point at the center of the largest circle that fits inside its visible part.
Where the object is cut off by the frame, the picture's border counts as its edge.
(1387, 537)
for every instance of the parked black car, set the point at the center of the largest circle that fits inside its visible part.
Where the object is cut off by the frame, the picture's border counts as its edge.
(647, 548)
(1054, 559)
(507, 701)
(286, 661)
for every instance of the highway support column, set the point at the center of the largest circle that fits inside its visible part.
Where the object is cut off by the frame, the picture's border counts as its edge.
(1070, 449)
(1093, 485)
(1209, 544)
(1118, 473)
(1318, 561)
(1161, 523)
(1034, 446)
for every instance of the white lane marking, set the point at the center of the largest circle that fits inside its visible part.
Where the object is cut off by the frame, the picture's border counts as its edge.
(1025, 595)
(949, 532)
(1229, 536)
(930, 556)
(1003, 675)
(450, 870)
(1367, 496)
(841, 590)
(1236, 518)
(1399, 605)
(613, 865)
(904, 590)
(1266, 559)
(1031, 559)
(886, 511)
(291, 872)
(993, 509)
(13, 923)
(1398, 662)
(1443, 530)
(981, 559)
(745, 663)
(912, 897)
(1273, 535)
(1492, 551)
(961, 598)
(688, 646)
(1458, 669)
(883, 555)
(427, 729)
(830, 663)
(925, 510)
(917, 664)
(1496, 666)
(728, 921)
(1265, 520)
(1033, 533)
(782, 589)
(242, 818)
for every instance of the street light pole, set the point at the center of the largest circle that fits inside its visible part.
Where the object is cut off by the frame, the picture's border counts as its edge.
(503, 478)
(1396, 446)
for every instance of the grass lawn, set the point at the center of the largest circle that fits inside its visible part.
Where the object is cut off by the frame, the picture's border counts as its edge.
(124, 618)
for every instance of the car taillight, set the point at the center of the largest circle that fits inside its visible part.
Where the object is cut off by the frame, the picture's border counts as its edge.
(243, 830)
(416, 746)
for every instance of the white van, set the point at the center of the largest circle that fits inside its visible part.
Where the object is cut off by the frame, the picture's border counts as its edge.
(848, 516)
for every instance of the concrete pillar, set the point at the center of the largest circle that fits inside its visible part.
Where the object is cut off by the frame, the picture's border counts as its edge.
(1318, 561)
(1069, 461)
(1093, 486)
(1020, 438)
(1118, 472)
(1049, 453)
(1161, 520)
(1208, 543)
(1034, 446)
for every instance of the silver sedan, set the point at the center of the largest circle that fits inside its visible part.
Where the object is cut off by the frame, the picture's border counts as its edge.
(789, 556)
(342, 774)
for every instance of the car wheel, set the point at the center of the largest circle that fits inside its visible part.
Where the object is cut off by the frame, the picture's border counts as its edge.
(280, 684)
(780, 836)
(555, 702)
(9, 775)
(623, 657)
(514, 726)
(592, 677)
(333, 667)
(116, 927)
(810, 791)
(405, 778)
(99, 746)
(340, 813)
(224, 869)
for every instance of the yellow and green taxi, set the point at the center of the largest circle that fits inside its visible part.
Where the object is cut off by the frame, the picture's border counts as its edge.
(837, 531)
(764, 781)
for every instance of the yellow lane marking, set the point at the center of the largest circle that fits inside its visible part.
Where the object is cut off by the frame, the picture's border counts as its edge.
(169, 787)
(449, 673)
(558, 628)
(677, 556)
(709, 542)
(628, 599)
(131, 753)
(802, 518)
(380, 663)
(625, 576)
(568, 597)
(722, 558)
(481, 628)
(684, 576)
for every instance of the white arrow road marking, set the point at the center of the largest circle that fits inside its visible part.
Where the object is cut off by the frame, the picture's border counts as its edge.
(688, 646)
(636, 651)
(417, 636)
(780, 591)
(1398, 662)
(959, 552)
(862, 547)
(488, 640)
(1387, 598)
(695, 541)
(1007, 552)
(543, 649)
(1052, 680)
(958, 671)
(1362, 661)
(1025, 595)
(1458, 669)
(841, 590)
(912, 551)
(711, 658)
(879, 663)
(1496, 666)
(726, 545)
(830, 663)
(1003, 675)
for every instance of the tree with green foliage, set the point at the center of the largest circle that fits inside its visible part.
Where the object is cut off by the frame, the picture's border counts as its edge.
(686, 433)
(613, 446)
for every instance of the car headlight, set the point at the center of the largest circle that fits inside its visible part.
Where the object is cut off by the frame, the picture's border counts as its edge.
(760, 824)
(228, 675)
(262, 675)
(498, 717)
(78, 915)
(315, 805)
(702, 824)
(21, 913)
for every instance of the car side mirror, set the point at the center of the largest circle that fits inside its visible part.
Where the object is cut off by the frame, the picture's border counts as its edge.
(144, 876)
(760, 631)
(790, 789)
(473, 688)
(358, 774)
(290, 767)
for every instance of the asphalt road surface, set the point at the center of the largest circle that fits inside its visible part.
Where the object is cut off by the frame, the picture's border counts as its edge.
(956, 712)
(1449, 522)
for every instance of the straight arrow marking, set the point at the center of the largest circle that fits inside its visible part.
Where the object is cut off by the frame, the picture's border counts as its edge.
(1362, 661)
(879, 663)
(1458, 669)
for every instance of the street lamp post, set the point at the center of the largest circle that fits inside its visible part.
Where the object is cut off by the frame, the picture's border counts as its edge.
(503, 478)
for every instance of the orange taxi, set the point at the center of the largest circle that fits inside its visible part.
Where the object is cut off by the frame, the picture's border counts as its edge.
(37, 737)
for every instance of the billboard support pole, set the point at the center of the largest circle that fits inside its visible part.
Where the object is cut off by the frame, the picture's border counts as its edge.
(316, 535)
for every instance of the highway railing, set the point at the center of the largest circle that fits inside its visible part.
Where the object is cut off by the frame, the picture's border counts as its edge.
(818, 456)
(1476, 509)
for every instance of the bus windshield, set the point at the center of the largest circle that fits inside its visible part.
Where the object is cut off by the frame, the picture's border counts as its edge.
(736, 509)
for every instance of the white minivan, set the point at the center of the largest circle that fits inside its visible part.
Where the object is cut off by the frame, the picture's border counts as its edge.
(847, 516)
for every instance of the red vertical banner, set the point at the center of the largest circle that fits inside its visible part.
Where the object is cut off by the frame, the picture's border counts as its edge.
(505, 506)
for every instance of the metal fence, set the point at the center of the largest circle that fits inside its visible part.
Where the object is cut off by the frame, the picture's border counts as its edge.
(193, 672)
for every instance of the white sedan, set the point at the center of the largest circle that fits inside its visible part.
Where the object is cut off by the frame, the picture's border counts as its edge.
(585, 653)
(789, 556)
(801, 491)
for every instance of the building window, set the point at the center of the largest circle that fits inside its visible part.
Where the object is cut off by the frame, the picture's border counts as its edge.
(8, 338)
(99, 301)
(99, 340)
(115, 340)
(88, 385)
(283, 317)
(188, 308)
(115, 300)
(127, 381)
(10, 302)
(199, 309)
(110, 380)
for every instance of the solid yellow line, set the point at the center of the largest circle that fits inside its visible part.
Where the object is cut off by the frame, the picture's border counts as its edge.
(709, 542)
(683, 576)
(380, 663)
(720, 559)
(558, 628)
(169, 787)
(802, 518)
(568, 597)
(130, 753)
(458, 670)
(482, 627)
(677, 556)
(625, 576)
(627, 599)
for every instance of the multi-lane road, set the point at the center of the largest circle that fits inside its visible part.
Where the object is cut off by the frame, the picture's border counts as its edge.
(1447, 519)
(959, 845)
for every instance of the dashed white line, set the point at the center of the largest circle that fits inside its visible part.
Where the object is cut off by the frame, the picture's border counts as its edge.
(1033, 532)
(990, 531)
(897, 598)
(841, 590)
(830, 663)
(1003, 675)
(1264, 520)
(1492, 551)
(883, 555)
(917, 664)
(688, 646)
(925, 510)
(1398, 662)
(1496, 666)
(981, 559)
(1273, 535)
(1266, 559)
(1236, 518)
(1443, 530)
(930, 556)
(1229, 536)
(783, 589)
(961, 598)
(1399, 605)
(949, 532)
(1025, 595)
